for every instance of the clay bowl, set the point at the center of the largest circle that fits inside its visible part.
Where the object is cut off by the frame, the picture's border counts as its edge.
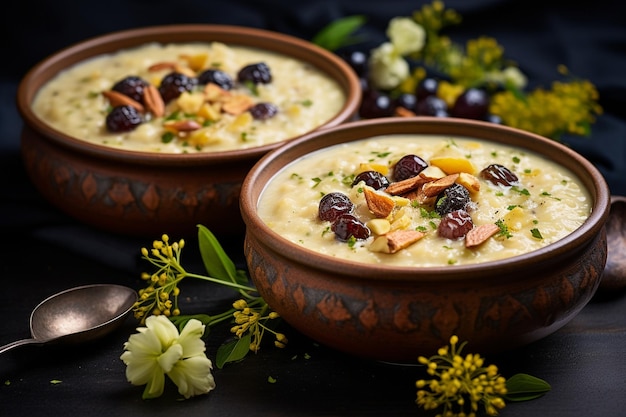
(147, 193)
(395, 313)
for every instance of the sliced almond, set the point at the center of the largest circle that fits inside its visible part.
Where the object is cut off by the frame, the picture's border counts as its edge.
(433, 188)
(182, 125)
(403, 112)
(214, 92)
(405, 186)
(153, 101)
(237, 104)
(421, 198)
(379, 204)
(480, 234)
(118, 99)
(469, 181)
(395, 241)
(159, 66)
(172, 66)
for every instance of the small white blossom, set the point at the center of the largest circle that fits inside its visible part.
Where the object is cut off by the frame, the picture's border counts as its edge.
(515, 77)
(387, 67)
(406, 35)
(158, 350)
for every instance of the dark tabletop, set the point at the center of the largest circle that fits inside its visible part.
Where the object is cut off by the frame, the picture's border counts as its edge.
(44, 251)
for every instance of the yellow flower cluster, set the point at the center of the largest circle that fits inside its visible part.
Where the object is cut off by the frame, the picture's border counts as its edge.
(462, 383)
(566, 108)
(250, 319)
(155, 299)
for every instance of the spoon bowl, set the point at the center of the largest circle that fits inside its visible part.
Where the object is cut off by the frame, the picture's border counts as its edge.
(78, 315)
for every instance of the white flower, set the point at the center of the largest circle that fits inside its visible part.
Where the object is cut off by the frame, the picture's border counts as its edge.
(387, 67)
(510, 76)
(158, 350)
(406, 35)
(515, 77)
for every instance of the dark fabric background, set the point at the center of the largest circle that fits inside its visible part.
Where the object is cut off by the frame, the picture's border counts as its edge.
(44, 251)
(588, 37)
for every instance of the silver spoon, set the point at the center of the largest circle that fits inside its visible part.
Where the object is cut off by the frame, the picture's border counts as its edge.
(78, 315)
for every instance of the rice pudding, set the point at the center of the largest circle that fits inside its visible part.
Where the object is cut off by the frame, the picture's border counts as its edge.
(208, 116)
(512, 201)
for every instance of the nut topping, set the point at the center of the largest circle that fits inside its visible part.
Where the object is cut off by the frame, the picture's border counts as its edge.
(480, 234)
(379, 204)
(119, 99)
(395, 241)
(153, 101)
(433, 188)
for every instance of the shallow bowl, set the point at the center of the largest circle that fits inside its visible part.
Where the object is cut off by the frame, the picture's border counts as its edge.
(143, 193)
(395, 313)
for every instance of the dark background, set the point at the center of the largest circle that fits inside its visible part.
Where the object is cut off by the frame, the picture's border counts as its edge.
(45, 251)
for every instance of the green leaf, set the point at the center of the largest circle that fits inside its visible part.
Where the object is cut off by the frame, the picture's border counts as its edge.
(216, 261)
(524, 387)
(233, 351)
(339, 33)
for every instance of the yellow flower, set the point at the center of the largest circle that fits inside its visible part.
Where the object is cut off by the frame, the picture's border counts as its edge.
(460, 383)
(405, 35)
(158, 350)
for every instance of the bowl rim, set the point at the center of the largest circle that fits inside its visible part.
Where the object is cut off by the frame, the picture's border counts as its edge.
(290, 45)
(251, 192)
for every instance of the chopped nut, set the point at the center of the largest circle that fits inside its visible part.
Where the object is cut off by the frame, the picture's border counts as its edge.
(159, 66)
(214, 92)
(432, 173)
(119, 99)
(395, 241)
(469, 181)
(433, 188)
(404, 186)
(182, 125)
(237, 104)
(379, 226)
(153, 101)
(379, 204)
(480, 234)
(403, 112)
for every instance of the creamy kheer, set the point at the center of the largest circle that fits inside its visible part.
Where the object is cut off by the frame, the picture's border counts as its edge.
(306, 98)
(547, 204)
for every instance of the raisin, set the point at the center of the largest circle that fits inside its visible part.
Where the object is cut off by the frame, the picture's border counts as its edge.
(473, 103)
(347, 226)
(123, 119)
(455, 197)
(374, 179)
(255, 73)
(174, 84)
(408, 167)
(332, 205)
(218, 77)
(499, 175)
(263, 111)
(455, 224)
(132, 87)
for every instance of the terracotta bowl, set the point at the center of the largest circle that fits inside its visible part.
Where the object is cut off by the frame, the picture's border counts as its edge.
(394, 313)
(143, 193)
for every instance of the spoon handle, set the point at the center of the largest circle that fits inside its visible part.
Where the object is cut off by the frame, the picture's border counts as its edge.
(17, 343)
